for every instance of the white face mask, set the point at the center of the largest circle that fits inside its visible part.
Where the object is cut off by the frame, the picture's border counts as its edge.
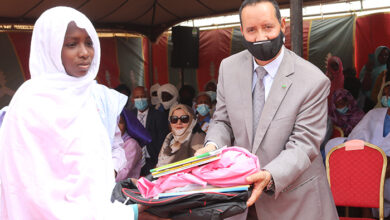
(385, 101)
(167, 105)
(154, 100)
(179, 131)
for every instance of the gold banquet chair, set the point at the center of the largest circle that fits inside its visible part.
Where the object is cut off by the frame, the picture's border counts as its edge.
(356, 174)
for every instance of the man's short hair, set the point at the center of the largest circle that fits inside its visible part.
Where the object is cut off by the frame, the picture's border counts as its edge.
(253, 2)
(122, 88)
(140, 87)
(203, 94)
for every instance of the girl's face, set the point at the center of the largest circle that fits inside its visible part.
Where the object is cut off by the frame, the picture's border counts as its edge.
(122, 125)
(77, 51)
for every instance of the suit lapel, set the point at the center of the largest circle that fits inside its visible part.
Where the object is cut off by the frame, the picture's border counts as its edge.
(148, 118)
(279, 88)
(245, 82)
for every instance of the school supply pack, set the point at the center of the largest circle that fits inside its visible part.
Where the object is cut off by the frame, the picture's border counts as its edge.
(214, 190)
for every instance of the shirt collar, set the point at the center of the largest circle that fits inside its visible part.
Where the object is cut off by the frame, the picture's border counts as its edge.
(272, 67)
(143, 113)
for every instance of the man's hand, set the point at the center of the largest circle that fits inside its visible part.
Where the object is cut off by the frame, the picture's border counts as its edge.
(148, 216)
(209, 147)
(260, 181)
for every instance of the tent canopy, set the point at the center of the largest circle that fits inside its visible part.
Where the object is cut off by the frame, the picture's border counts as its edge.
(147, 17)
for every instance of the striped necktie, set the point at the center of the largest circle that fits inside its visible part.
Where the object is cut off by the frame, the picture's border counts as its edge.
(258, 97)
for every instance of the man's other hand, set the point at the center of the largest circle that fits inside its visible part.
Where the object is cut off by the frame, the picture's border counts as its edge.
(209, 147)
(259, 180)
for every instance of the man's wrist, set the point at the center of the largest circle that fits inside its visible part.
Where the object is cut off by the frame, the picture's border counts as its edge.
(270, 188)
(213, 143)
(271, 185)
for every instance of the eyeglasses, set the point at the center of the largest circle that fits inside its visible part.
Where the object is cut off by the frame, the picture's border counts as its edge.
(184, 118)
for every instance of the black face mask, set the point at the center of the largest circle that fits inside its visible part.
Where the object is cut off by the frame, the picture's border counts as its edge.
(266, 49)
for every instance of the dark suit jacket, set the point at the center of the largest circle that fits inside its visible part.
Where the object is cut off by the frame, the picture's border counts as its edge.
(157, 126)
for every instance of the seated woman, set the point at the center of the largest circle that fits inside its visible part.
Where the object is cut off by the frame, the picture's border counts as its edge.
(344, 111)
(383, 77)
(334, 71)
(185, 137)
(370, 73)
(132, 150)
(375, 128)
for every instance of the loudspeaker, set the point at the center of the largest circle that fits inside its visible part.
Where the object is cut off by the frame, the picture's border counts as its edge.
(185, 47)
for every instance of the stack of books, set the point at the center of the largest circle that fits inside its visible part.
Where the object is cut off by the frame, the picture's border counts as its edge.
(189, 163)
(186, 163)
(205, 190)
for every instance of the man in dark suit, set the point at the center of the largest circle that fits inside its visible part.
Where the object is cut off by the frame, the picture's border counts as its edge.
(155, 122)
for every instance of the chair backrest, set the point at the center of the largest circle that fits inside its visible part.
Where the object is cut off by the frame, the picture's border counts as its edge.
(337, 132)
(356, 173)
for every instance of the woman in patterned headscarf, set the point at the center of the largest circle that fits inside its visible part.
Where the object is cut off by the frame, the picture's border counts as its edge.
(344, 111)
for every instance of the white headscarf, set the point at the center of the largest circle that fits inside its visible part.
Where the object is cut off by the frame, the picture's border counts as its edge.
(171, 89)
(55, 161)
(154, 99)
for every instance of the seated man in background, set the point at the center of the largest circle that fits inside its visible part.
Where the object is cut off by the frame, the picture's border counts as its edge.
(168, 96)
(153, 95)
(203, 107)
(187, 95)
(122, 88)
(155, 122)
(211, 89)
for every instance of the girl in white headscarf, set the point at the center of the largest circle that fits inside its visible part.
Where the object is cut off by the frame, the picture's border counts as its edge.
(55, 159)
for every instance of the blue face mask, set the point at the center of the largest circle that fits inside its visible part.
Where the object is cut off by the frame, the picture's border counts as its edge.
(141, 104)
(213, 95)
(342, 110)
(203, 109)
(385, 101)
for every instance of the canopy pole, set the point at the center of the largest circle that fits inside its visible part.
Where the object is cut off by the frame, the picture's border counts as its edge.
(296, 24)
(150, 65)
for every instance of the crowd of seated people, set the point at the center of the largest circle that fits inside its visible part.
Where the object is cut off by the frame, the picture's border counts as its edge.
(366, 114)
(174, 121)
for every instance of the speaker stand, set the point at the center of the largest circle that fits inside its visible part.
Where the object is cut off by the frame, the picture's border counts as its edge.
(182, 76)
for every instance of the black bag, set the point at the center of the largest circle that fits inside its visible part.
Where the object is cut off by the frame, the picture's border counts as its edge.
(197, 206)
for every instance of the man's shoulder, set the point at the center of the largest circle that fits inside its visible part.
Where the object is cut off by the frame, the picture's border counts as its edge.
(237, 56)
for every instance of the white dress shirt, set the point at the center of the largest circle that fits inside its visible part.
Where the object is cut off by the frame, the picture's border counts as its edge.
(142, 117)
(272, 69)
